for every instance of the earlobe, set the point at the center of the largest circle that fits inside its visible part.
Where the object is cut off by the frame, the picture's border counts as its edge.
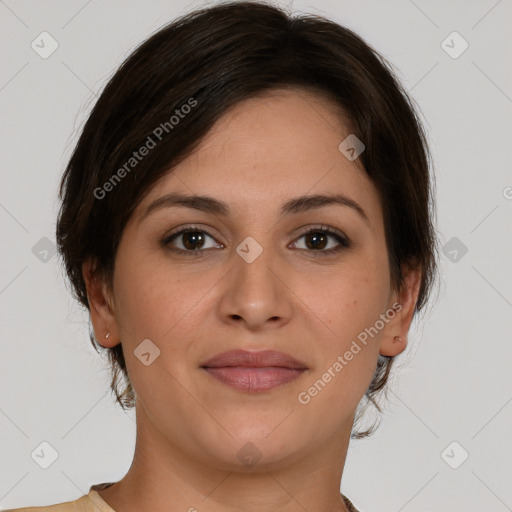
(394, 339)
(392, 345)
(100, 307)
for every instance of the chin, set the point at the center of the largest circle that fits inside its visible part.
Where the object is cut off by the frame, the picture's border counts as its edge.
(255, 448)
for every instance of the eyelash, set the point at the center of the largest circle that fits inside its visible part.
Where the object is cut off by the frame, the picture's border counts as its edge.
(343, 241)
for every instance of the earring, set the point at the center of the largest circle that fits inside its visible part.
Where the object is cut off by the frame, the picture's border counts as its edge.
(107, 335)
(397, 339)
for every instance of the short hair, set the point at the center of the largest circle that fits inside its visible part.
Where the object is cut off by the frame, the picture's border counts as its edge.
(201, 65)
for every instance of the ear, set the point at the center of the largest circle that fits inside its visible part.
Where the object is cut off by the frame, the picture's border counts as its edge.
(101, 306)
(394, 339)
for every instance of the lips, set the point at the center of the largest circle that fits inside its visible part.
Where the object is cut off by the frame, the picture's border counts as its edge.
(246, 359)
(254, 371)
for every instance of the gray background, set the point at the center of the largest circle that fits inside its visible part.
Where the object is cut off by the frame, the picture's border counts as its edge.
(454, 382)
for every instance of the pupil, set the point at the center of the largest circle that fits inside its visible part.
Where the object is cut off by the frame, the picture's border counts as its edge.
(194, 237)
(319, 240)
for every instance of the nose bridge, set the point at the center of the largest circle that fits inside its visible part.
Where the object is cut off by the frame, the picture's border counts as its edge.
(255, 291)
(254, 263)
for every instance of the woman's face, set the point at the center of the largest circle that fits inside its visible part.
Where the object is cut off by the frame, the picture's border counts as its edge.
(250, 278)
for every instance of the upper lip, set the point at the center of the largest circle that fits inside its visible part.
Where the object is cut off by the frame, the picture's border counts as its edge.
(261, 359)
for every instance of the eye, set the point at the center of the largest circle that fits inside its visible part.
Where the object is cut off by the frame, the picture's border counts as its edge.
(190, 240)
(317, 239)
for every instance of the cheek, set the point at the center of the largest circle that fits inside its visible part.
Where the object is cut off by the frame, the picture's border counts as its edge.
(352, 298)
(163, 304)
(348, 358)
(141, 300)
(154, 304)
(350, 305)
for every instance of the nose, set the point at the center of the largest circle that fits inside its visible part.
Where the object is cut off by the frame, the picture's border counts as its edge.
(256, 292)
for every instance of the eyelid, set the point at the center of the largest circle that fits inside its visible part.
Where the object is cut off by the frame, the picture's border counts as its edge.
(326, 229)
(204, 228)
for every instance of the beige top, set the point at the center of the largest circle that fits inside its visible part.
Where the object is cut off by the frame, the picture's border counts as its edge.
(93, 502)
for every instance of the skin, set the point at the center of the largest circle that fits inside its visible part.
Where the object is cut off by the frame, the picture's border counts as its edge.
(190, 427)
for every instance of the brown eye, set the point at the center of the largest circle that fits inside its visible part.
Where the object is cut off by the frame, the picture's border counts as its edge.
(189, 240)
(318, 240)
(193, 239)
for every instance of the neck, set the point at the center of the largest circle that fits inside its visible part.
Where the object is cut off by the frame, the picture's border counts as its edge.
(164, 478)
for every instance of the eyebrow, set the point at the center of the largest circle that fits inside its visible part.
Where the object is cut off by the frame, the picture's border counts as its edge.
(211, 205)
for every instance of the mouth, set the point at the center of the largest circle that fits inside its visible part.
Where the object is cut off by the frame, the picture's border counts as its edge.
(254, 371)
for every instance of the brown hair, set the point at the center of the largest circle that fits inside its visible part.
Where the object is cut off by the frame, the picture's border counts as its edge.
(210, 60)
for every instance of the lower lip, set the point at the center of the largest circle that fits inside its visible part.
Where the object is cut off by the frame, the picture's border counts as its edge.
(254, 379)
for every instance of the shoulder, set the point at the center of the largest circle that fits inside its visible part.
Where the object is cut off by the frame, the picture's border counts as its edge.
(91, 502)
(71, 506)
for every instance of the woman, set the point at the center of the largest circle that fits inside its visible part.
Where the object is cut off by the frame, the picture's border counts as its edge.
(247, 216)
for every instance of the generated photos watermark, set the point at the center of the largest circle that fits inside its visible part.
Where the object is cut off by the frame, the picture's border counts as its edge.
(304, 397)
(157, 135)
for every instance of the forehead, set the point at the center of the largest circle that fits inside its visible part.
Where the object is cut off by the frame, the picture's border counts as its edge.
(264, 150)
